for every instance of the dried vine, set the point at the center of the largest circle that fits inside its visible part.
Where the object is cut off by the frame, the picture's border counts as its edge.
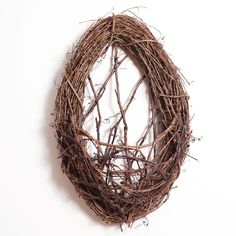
(139, 190)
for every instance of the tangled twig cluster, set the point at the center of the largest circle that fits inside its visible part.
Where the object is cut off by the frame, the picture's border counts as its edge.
(122, 193)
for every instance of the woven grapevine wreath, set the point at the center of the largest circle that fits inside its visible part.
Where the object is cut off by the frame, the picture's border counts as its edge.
(127, 192)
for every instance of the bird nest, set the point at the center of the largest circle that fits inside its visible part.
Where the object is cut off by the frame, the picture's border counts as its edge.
(121, 182)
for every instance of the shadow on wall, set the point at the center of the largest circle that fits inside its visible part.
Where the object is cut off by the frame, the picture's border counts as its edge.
(61, 181)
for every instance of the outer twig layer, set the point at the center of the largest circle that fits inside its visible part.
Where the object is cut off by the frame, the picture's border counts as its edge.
(142, 189)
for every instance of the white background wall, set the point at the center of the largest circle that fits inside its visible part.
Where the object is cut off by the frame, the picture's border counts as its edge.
(35, 197)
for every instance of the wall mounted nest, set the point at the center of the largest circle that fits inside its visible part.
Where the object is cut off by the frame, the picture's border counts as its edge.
(122, 193)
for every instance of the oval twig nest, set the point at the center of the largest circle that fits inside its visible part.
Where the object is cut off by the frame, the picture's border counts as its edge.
(119, 181)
